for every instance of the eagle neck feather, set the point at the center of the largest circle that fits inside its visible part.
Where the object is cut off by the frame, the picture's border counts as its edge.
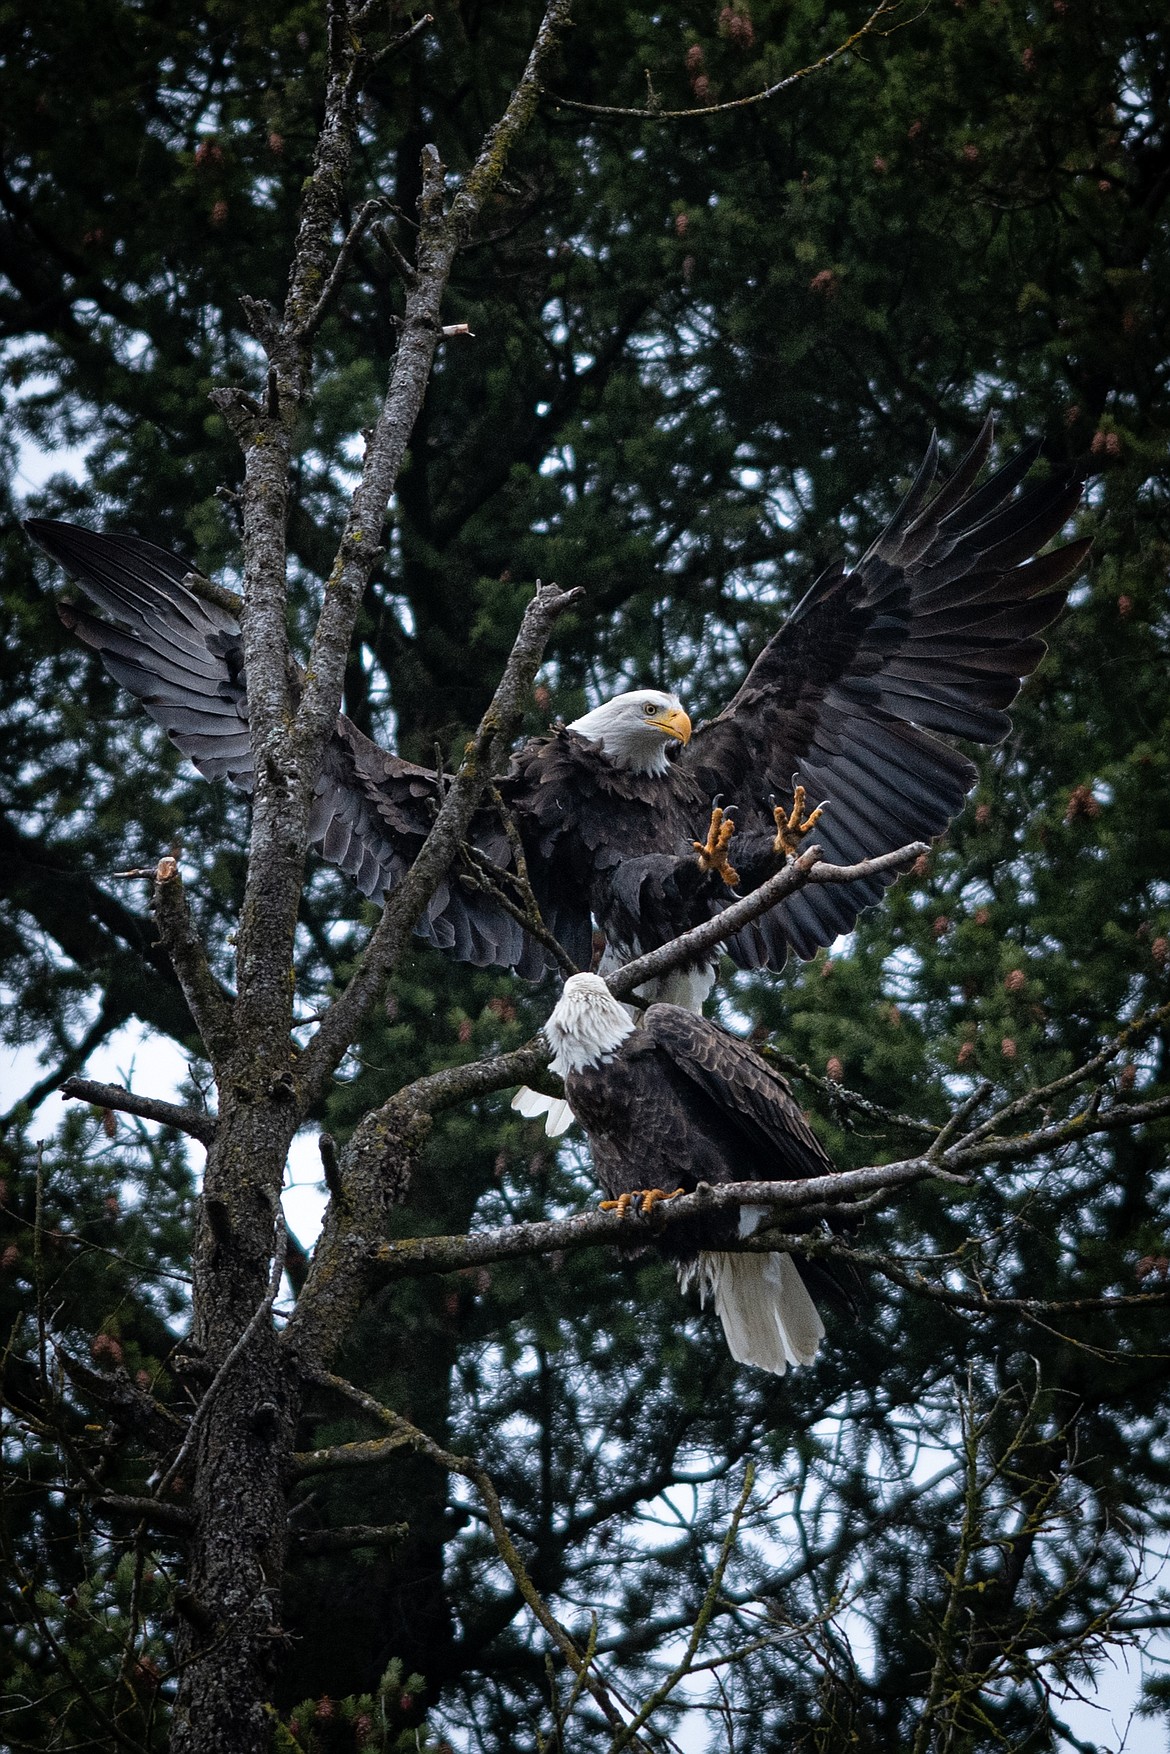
(587, 1026)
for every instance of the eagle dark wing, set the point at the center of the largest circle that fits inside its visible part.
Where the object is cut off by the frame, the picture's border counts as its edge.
(753, 1100)
(929, 636)
(181, 653)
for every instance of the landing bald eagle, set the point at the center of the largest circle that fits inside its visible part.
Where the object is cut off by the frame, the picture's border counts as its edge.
(929, 634)
(675, 1101)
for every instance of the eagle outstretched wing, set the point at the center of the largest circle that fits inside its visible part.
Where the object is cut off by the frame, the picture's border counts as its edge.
(928, 637)
(180, 652)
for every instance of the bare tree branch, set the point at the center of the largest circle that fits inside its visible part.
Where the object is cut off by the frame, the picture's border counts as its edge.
(487, 749)
(655, 113)
(209, 1008)
(170, 1114)
(353, 238)
(808, 867)
(403, 1433)
(440, 235)
(842, 1192)
(352, 1535)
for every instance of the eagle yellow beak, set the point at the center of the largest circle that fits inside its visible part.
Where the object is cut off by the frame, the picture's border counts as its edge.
(674, 723)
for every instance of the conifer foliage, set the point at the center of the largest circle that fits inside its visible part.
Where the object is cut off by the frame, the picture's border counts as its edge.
(671, 327)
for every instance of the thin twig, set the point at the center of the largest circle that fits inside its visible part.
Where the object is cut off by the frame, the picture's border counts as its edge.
(489, 878)
(353, 237)
(710, 1602)
(655, 114)
(39, 1274)
(1046, 1093)
(109, 1018)
(403, 1432)
(840, 1094)
(958, 1119)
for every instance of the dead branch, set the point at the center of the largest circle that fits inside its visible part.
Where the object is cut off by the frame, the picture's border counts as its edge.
(177, 1519)
(481, 873)
(494, 736)
(205, 998)
(655, 113)
(351, 1535)
(353, 237)
(169, 1114)
(807, 868)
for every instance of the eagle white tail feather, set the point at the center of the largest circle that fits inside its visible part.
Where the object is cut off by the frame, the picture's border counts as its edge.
(768, 1317)
(532, 1104)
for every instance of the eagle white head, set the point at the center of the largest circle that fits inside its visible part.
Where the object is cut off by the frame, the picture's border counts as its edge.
(636, 729)
(587, 1026)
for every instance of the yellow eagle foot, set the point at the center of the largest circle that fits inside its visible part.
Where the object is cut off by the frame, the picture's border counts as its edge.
(792, 825)
(713, 851)
(650, 1197)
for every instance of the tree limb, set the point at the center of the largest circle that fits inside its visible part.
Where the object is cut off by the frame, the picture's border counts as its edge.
(204, 996)
(403, 1433)
(341, 1022)
(168, 1114)
(807, 868)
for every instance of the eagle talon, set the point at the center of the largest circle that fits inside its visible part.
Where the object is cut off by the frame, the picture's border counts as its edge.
(713, 851)
(792, 825)
(652, 1197)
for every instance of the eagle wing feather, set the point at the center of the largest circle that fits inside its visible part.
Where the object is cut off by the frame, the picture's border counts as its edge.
(181, 654)
(928, 637)
(752, 1098)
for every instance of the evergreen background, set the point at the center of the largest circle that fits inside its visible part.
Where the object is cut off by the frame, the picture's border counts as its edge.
(707, 355)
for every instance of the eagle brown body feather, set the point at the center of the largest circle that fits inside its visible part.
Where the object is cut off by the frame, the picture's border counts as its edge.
(680, 1102)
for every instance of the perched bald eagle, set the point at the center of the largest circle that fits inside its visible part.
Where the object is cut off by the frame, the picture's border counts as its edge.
(927, 637)
(674, 1101)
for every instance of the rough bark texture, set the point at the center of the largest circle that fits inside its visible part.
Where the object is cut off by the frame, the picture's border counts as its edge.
(240, 1464)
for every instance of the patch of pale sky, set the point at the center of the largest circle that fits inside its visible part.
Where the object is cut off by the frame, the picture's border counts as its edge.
(153, 1066)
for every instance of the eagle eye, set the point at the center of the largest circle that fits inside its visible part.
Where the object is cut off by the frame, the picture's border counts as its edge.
(650, 709)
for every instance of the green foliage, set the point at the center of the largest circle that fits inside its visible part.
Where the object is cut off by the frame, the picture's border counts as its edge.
(706, 354)
(379, 1722)
(94, 1240)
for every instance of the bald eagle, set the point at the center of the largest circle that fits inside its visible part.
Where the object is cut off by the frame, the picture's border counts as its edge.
(927, 637)
(674, 1101)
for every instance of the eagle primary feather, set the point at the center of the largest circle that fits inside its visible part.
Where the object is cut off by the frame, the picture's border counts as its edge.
(925, 639)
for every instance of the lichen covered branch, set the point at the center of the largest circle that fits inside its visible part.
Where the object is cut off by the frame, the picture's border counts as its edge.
(209, 1006)
(169, 1114)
